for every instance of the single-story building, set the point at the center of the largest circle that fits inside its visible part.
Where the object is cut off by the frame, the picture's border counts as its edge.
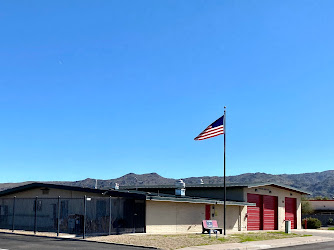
(322, 206)
(150, 209)
(322, 210)
(274, 203)
(44, 205)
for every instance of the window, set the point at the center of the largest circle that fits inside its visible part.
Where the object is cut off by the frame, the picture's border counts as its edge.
(45, 191)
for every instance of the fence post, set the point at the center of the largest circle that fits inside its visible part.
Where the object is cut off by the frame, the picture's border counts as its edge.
(13, 218)
(109, 215)
(58, 216)
(35, 218)
(84, 222)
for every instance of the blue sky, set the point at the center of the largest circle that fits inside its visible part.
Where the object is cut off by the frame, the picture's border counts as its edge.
(102, 88)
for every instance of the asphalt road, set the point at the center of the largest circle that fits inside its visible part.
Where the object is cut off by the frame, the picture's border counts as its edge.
(323, 246)
(13, 241)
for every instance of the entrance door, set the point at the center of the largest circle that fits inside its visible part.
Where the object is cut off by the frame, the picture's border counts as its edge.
(139, 216)
(207, 212)
(290, 211)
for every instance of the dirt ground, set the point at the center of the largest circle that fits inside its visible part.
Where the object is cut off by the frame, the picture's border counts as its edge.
(187, 240)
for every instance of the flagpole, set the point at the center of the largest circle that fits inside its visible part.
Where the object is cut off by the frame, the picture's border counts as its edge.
(224, 171)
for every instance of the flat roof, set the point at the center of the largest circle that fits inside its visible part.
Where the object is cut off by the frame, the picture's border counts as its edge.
(219, 185)
(124, 193)
(199, 200)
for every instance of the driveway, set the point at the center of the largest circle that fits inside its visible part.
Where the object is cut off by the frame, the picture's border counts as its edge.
(316, 232)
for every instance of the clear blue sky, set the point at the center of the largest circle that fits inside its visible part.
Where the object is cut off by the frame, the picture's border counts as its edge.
(102, 88)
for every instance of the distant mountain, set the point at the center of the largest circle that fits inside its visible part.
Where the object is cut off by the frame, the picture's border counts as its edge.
(318, 183)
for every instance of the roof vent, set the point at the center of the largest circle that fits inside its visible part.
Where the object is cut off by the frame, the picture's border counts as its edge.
(180, 184)
(116, 186)
(180, 188)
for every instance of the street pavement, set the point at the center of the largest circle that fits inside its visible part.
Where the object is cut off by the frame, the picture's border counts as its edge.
(323, 246)
(15, 241)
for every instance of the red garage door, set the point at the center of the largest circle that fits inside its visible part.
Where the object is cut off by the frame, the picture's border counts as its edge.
(254, 213)
(290, 211)
(264, 215)
(270, 212)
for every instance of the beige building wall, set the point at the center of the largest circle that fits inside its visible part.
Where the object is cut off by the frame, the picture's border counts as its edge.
(52, 193)
(183, 217)
(281, 194)
(322, 204)
(234, 217)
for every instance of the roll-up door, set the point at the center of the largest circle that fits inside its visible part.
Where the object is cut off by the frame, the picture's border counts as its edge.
(254, 213)
(270, 216)
(291, 211)
(264, 215)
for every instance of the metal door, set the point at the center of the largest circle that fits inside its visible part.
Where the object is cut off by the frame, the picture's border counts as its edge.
(290, 211)
(207, 212)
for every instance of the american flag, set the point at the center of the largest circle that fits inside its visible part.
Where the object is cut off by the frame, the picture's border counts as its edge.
(214, 129)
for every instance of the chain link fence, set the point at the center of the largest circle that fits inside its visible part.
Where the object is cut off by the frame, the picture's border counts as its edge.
(80, 216)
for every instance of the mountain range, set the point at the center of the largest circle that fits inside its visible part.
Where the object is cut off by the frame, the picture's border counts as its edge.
(318, 183)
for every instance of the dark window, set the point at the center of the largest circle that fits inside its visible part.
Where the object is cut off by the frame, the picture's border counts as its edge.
(45, 191)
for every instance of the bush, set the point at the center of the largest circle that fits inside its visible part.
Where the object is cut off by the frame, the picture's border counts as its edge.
(330, 221)
(307, 208)
(312, 223)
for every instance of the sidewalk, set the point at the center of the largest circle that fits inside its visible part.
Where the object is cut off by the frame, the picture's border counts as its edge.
(265, 244)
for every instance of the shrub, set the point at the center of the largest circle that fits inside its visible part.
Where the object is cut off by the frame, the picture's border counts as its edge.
(312, 223)
(307, 208)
